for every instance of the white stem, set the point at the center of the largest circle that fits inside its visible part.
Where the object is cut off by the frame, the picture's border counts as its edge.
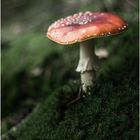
(88, 64)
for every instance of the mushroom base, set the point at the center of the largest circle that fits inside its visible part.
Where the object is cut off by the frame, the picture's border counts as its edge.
(87, 79)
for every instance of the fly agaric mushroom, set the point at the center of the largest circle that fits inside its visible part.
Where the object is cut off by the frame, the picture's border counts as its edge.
(82, 28)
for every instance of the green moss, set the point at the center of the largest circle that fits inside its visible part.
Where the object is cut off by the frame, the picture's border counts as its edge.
(111, 112)
(108, 114)
(26, 53)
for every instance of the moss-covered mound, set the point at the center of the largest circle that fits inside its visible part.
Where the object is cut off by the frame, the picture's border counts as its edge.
(109, 113)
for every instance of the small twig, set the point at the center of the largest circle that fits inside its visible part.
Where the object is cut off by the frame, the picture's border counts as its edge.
(79, 96)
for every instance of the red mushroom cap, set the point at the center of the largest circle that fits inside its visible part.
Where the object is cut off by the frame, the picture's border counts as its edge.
(83, 26)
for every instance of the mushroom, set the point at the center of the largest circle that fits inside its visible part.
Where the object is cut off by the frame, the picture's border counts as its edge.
(102, 53)
(83, 27)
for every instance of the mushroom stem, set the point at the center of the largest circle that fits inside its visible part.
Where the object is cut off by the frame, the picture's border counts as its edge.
(88, 64)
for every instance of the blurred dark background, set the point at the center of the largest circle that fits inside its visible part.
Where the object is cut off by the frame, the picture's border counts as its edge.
(33, 66)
